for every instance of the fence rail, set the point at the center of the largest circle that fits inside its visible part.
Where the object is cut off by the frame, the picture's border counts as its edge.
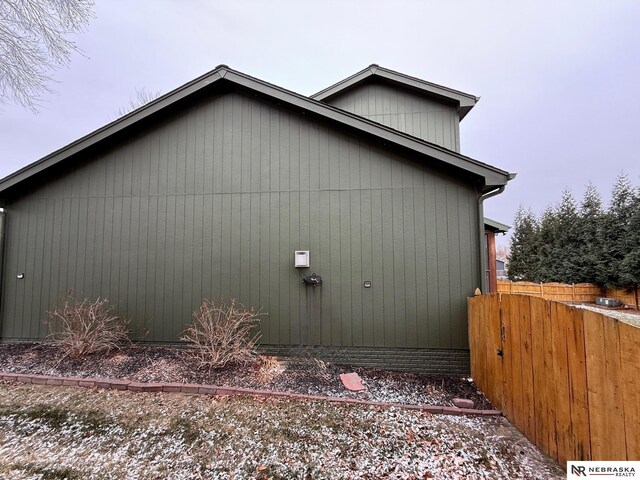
(628, 297)
(564, 292)
(568, 378)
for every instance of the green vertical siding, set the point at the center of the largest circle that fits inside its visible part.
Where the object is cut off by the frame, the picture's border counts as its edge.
(213, 200)
(401, 109)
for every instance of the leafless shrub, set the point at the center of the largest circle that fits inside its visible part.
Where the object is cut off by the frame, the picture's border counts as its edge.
(87, 326)
(268, 368)
(322, 369)
(222, 333)
(142, 97)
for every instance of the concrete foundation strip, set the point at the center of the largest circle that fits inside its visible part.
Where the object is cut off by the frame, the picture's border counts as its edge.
(196, 388)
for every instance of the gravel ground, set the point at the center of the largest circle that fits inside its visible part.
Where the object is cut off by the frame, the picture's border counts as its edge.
(631, 317)
(73, 433)
(302, 375)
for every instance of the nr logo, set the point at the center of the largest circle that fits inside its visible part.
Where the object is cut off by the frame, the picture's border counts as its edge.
(579, 470)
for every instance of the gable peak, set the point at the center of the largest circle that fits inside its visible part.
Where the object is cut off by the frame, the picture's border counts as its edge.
(464, 101)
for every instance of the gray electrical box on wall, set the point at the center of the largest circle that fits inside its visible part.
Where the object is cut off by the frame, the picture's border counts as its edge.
(301, 258)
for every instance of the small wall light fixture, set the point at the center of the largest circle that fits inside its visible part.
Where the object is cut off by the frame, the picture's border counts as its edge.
(20, 276)
(301, 258)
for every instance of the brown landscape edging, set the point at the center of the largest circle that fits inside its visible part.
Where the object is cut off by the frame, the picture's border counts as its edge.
(200, 389)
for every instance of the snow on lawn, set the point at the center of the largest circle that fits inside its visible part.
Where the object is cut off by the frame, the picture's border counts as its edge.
(61, 432)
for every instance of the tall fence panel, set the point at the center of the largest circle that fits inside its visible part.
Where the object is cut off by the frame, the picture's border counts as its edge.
(630, 362)
(568, 378)
(564, 292)
(561, 292)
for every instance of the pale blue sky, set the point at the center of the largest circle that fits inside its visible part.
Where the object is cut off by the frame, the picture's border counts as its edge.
(558, 80)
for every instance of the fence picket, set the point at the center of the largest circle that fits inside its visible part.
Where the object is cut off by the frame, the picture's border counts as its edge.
(539, 317)
(476, 316)
(494, 361)
(506, 316)
(561, 383)
(604, 373)
(549, 412)
(630, 361)
(578, 401)
(526, 366)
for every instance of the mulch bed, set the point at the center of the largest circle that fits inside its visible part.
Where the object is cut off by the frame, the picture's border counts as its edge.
(300, 375)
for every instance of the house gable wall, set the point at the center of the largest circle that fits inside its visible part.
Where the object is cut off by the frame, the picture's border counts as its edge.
(213, 198)
(402, 109)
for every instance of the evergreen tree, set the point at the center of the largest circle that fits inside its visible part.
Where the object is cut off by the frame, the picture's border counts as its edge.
(616, 240)
(590, 233)
(548, 269)
(573, 245)
(568, 241)
(630, 264)
(523, 253)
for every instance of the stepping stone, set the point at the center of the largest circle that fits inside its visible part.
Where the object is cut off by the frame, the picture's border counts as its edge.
(463, 403)
(352, 381)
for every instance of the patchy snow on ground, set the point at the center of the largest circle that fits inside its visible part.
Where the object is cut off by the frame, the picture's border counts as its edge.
(62, 432)
(305, 375)
(631, 317)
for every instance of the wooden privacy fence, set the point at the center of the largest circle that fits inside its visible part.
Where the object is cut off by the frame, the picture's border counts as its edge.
(564, 292)
(628, 297)
(568, 378)
(561, 292)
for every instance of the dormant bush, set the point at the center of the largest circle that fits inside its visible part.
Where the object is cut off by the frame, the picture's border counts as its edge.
(87, 326)
(223, 333)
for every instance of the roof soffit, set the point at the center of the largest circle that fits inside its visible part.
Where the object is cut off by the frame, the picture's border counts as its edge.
(495, 226)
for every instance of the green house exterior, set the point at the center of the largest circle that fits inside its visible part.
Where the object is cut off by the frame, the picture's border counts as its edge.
(209, 191)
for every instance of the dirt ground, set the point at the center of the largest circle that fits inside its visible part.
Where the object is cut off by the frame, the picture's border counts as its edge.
(301, 375)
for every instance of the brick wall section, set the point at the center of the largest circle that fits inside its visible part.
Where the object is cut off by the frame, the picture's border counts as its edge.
(430, 361)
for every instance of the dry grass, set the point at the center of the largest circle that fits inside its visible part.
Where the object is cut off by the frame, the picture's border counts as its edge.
(57, 432)
(322, 369)
(223, 333)
(87, 326)
(268, 368)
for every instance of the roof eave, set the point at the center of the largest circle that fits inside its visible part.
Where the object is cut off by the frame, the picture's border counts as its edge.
(112, 128)
(491, 176)
(495, 226)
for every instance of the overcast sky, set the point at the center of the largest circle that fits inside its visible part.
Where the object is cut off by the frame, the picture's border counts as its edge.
(559, 80)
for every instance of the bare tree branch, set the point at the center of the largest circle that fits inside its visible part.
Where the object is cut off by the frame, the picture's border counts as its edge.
(33, 42)
(142, 97)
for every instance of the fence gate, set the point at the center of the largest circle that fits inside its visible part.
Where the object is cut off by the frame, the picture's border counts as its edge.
(485, 344)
